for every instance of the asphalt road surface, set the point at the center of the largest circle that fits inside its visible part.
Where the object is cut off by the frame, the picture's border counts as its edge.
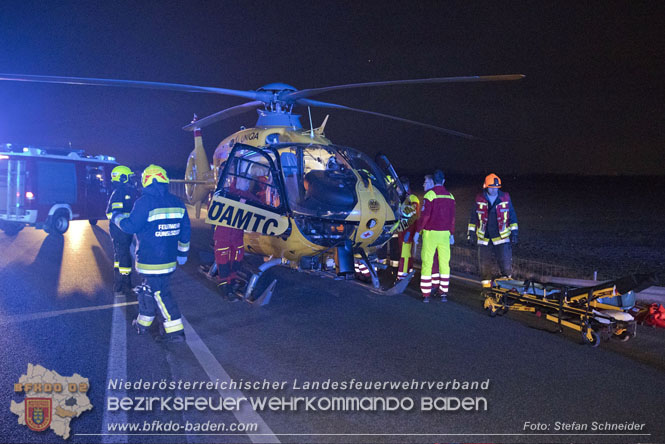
(57, 310)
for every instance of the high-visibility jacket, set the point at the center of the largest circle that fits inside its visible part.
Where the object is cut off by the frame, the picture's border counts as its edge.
(160, 221)
(438, 211)
(502, 209)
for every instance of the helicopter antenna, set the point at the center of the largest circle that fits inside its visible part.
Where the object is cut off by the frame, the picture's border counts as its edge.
(311, 125)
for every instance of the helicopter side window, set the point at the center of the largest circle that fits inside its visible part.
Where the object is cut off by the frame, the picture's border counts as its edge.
(250, 179)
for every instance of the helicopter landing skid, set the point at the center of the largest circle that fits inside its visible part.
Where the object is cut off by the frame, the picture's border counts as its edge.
(241, 293)
(209, 271)
(396, 289)
(400, 285)
(264, 299)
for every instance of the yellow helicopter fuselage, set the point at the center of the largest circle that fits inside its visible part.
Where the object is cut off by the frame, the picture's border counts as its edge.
(366, 221)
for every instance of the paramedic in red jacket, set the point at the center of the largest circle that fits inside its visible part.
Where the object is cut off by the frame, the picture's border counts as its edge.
(229, 243)
(436, 226)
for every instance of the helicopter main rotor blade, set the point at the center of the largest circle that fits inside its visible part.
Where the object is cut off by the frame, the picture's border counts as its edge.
(221, 115)
(320, 104)
(313, 91)
(132, 84)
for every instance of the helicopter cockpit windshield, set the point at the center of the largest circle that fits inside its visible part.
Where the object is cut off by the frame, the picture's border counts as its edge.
(380, 173)
(318, 180)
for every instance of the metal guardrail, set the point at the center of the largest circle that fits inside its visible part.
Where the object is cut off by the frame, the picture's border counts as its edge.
(464, 259)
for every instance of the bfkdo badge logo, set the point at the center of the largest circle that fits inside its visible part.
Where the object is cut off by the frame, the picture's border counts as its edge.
(51, 401)
(38, 413)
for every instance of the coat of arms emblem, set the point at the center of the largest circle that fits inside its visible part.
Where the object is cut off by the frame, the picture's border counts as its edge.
(38, 413)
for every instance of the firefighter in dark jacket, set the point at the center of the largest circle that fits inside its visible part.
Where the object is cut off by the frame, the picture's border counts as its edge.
(493, 226)
(160, 221)
(122, 201)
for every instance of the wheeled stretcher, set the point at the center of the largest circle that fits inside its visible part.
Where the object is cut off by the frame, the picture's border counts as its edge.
(597, 312)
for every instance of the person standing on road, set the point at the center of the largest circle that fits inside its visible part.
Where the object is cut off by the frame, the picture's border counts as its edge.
(428, 184)
(229, 241)
(161, 223)
(493, 226)
(437, 224)
(122, 200)
(411, 212)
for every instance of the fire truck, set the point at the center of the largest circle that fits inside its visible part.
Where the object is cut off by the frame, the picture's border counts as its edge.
(49, 187)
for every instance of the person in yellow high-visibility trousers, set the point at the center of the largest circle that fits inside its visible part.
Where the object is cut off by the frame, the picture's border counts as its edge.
(437, 225)
(428, 184)
(410, 213)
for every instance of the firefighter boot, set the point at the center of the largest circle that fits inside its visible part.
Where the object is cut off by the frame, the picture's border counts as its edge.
(118, 283)
(171, 338)
(127, 284)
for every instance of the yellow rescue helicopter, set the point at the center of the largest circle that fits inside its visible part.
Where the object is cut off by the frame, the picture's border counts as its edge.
(300, 199)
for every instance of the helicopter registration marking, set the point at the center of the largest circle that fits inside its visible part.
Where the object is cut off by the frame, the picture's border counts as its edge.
(230, 213)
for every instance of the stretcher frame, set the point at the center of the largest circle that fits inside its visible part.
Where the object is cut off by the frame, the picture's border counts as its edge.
(577, 308)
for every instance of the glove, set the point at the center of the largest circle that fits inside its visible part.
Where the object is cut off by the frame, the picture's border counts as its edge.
(471, 238)
(452, 239)
(513, 237)
(416, 238)
(407, 236)
(182, 260)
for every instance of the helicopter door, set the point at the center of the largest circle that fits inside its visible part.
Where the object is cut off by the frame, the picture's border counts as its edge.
(249, 194)
(392, 179)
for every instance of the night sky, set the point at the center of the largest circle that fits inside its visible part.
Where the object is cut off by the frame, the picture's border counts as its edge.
(592, 101)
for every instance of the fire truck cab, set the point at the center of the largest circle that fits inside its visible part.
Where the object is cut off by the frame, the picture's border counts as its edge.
(47, 188)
